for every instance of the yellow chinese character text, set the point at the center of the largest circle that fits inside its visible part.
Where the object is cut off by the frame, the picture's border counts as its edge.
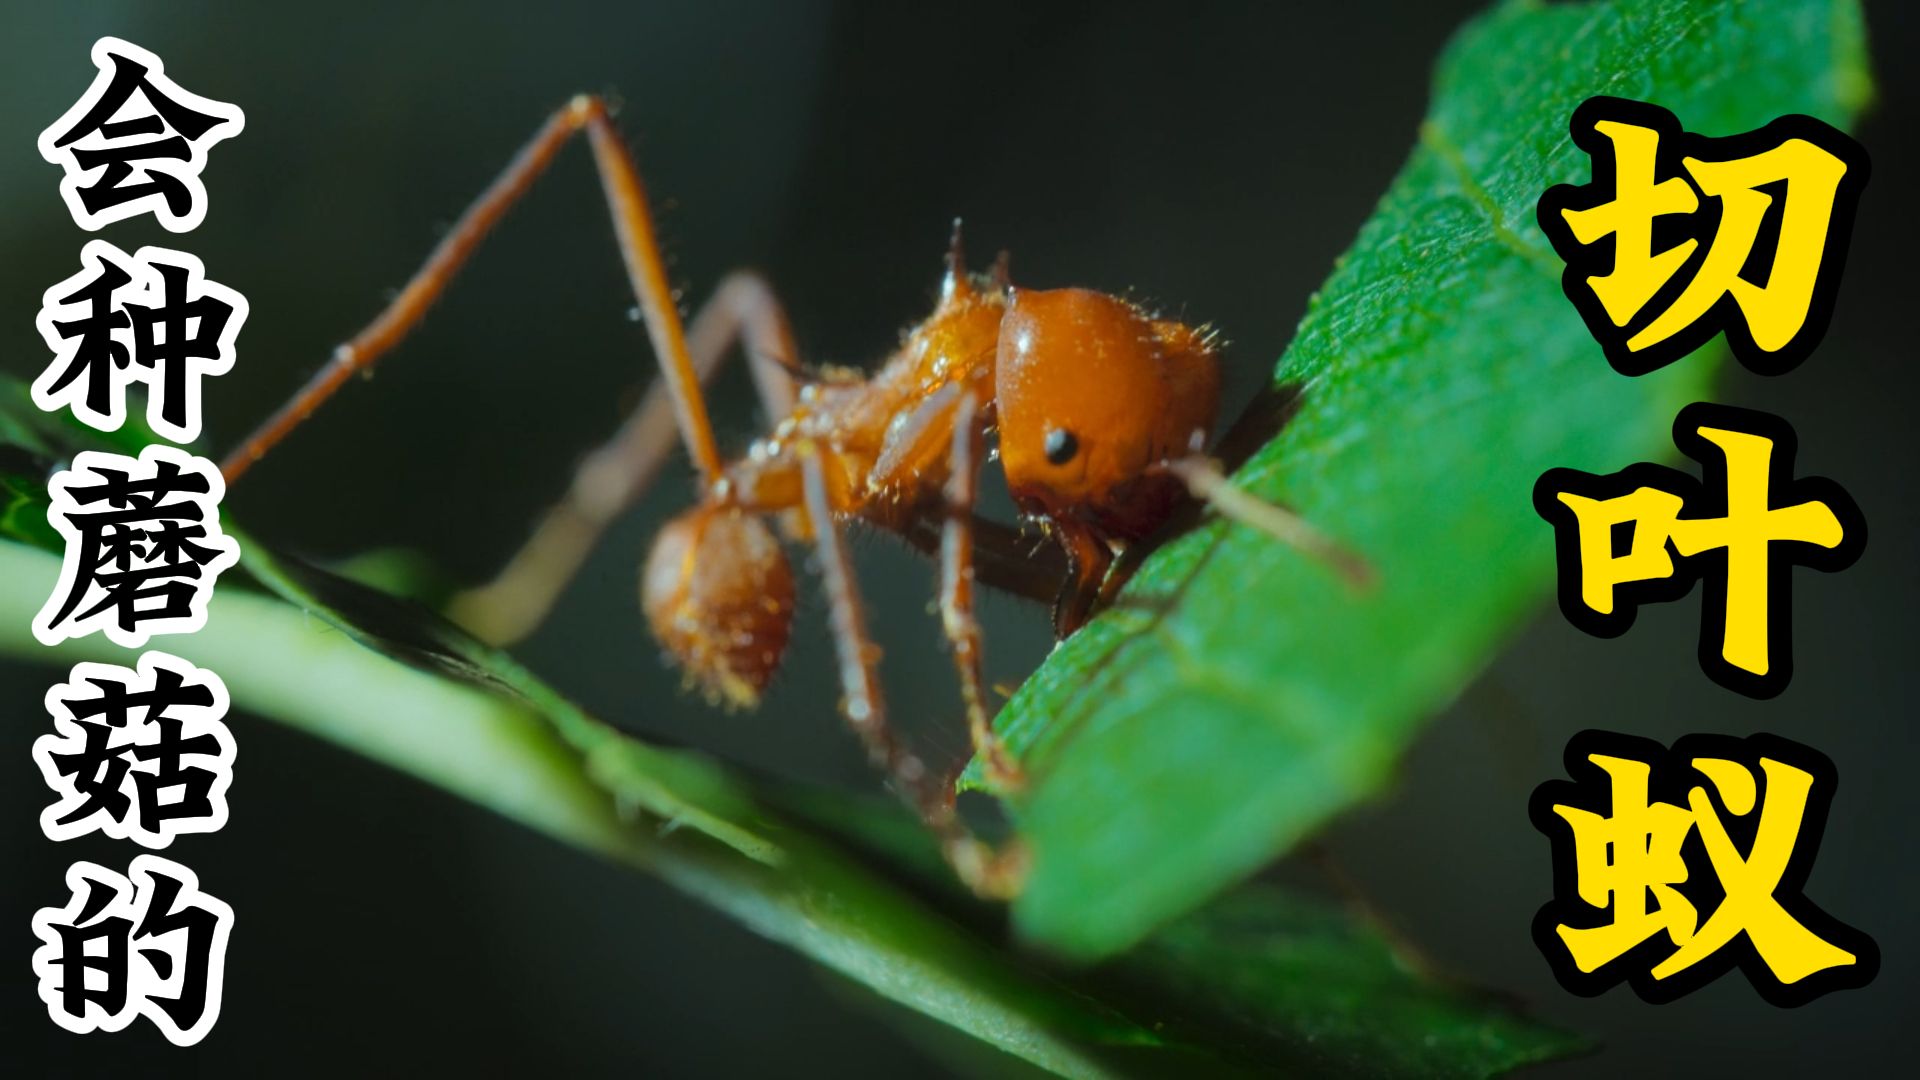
(1714, 200)
(1634, 861)
(1645, 534)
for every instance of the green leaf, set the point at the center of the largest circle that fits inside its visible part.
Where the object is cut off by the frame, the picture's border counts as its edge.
(814, 870)
(620, 799)
(1298, 982)
(1238, 697)
(1264, 977)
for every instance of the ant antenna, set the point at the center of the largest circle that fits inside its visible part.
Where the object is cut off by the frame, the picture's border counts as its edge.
(1207, 482)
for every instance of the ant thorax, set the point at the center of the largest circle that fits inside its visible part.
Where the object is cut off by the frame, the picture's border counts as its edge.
(885, 439)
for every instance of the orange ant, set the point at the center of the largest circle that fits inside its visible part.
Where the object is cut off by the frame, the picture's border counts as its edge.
(1100, 410)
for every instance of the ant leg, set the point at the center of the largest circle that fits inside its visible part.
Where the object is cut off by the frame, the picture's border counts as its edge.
(639, 249)
(609, 480)
(1006, 559)
(987, 872)
(956, 592)
(1204, 479)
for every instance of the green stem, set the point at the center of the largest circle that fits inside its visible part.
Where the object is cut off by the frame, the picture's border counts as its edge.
(291, 666)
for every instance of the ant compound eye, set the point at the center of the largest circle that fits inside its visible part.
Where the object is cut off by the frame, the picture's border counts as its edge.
(1061, 446)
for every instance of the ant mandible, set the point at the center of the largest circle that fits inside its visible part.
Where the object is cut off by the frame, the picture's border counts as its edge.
(1101, 412)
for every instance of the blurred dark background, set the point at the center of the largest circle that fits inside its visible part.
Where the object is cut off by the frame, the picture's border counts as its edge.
(1211, 158)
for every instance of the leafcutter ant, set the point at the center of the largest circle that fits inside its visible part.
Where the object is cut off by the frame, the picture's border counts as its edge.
(1101, 412)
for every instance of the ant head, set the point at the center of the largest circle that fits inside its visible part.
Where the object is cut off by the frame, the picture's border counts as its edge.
(1094, 394)
(718, 593)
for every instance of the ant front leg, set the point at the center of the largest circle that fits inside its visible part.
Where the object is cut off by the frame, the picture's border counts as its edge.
(989, 873)
(956, 592)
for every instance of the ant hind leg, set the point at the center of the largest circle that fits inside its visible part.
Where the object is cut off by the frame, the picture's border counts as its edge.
(639, 250)
(611, 478)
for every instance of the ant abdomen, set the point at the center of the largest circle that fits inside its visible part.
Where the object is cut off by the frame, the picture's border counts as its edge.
(719, 594)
